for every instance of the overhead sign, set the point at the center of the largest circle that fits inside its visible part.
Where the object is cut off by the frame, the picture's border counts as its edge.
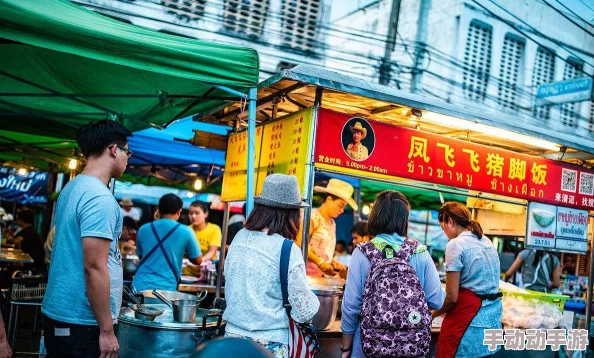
(575, 90)
(28, 189)
(380, 150)
(557, 228)
(281, 147)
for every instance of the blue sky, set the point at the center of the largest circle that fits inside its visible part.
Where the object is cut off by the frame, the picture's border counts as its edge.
(584, 8)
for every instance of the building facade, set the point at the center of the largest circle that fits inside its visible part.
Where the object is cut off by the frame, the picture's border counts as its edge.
(487, 54)
(284, 32)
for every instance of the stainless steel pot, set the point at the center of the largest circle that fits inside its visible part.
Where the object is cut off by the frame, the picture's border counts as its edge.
(329, 297)
(149, 298)
(130, 262)
(163, 337)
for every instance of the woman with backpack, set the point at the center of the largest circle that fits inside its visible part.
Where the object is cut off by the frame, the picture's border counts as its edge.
(473, 300)
(391, 285)
(541, 270)
(253, 289)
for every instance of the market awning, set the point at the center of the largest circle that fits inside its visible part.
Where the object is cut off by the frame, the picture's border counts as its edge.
(294, 89)
(63, 65)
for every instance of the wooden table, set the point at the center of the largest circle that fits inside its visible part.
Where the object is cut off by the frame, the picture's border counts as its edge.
(10, 255)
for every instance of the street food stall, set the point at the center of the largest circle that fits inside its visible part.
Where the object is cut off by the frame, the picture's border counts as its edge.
(305, 115)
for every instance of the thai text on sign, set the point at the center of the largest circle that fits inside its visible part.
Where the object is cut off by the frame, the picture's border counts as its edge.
(394, 151)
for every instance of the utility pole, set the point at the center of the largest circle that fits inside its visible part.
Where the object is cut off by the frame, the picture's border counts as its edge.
(421, 42)
(385, 65)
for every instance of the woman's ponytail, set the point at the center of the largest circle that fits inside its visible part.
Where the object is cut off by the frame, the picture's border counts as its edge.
(476, 229)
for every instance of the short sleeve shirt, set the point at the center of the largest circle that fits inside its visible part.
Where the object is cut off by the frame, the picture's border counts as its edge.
(322, 236)
(86, 208)
(209, 236)
(155, 272)
(476, 260)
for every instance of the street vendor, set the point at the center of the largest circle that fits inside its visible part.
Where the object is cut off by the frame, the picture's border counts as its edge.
(322, 228)
(541, 270)
(161, 245)
(208, 235)
(357, 150)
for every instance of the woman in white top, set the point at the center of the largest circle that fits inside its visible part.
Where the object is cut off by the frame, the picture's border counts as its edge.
(252, 269)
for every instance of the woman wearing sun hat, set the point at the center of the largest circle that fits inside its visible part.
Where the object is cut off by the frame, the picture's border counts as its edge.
(252, 270)
(357, 150)
(322, 228)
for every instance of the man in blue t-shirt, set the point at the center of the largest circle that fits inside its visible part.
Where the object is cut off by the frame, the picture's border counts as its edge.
(161, 246)
(84, 291)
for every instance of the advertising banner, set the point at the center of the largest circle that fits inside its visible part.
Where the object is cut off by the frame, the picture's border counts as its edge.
(375, 149)
(555, 227)
(28, 189)
(281, 147)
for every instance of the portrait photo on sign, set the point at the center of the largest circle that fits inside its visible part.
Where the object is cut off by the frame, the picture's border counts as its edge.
(358, 139)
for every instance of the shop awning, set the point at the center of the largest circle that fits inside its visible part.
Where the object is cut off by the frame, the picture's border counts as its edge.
(63, 65)
(293, 89)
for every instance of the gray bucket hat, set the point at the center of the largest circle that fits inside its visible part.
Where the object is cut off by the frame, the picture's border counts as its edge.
(281, 191)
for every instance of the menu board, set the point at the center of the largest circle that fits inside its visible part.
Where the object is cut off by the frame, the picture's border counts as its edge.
(281, 147)
(557, 228)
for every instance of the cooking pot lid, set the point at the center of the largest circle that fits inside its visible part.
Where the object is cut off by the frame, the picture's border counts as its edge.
(165, 321)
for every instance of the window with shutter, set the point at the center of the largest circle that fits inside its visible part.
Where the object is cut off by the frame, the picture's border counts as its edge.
(569, 115)
(477, 61)
(246, 16)
(544, 72)
(300, 23)
(185, 9)
(509, 72)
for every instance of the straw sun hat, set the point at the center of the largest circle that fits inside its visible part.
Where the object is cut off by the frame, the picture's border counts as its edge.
(340, 189)
(280, 191)
(359, 127)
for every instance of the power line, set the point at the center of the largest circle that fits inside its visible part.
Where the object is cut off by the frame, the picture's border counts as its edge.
(567, 17)
(528, 36)
(588, 6)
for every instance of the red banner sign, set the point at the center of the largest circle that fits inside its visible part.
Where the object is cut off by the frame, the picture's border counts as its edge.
(374, 147)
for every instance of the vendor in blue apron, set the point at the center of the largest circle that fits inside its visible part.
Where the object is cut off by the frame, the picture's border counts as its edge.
(161, 246)
(473, 300)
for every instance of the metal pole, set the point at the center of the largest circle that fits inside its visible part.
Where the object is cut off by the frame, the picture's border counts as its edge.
(589, 293)
(421, 41)
(386, 66)
(356, 213)
(112, 184)
(223, 249)
(251, 168)
(310, 172)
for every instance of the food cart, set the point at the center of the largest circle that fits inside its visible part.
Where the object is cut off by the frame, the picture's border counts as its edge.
(305, 115)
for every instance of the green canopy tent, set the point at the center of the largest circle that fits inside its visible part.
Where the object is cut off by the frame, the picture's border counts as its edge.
(63, 65)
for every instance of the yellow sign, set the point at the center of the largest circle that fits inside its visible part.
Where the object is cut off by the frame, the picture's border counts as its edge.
(281, 147)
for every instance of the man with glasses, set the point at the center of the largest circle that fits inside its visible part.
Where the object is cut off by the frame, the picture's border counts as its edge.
(84, 290)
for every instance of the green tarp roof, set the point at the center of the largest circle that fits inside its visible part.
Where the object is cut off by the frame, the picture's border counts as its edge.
(63, 65)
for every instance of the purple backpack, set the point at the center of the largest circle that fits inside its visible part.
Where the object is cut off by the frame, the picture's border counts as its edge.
(395, 318)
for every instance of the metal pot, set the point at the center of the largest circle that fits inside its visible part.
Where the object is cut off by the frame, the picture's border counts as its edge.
(130, 262)
(149, 298)
(184, 311)
(163, 337)
(329, 298)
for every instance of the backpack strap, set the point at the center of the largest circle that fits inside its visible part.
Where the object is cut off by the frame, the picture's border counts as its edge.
(371, 252)
(407, 249)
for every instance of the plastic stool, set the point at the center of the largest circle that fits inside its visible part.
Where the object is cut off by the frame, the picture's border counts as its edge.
(14, 307)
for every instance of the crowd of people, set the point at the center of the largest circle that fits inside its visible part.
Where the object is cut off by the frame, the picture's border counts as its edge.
(392, 293)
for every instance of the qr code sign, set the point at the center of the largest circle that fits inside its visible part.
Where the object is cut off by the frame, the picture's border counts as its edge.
(569, 180)
(586, 183)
